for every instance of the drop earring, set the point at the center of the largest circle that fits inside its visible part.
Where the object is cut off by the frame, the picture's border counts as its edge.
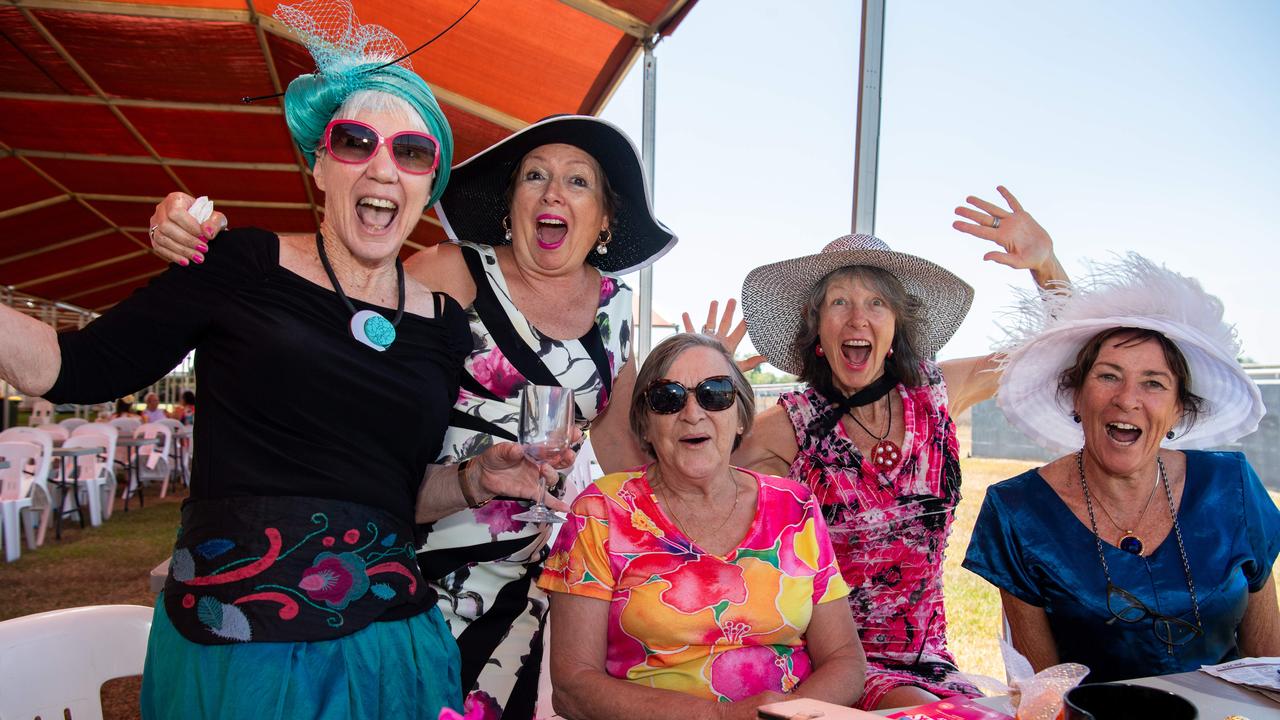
(506, 228)
(602, 242)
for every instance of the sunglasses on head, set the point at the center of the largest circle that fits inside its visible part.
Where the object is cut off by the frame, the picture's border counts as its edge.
(354, 142)
(666, 397)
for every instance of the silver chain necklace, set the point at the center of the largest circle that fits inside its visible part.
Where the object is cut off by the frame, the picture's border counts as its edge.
(1177, 531)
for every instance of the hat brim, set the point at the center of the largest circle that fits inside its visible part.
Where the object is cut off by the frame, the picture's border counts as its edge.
(1028, 391)
(474, 203)
(774, 298)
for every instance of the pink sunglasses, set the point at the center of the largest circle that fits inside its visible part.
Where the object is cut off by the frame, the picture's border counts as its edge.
(354, 143)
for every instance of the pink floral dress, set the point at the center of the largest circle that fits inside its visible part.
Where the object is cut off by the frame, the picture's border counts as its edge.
(482, 563)
(721, 628)
(890, 533)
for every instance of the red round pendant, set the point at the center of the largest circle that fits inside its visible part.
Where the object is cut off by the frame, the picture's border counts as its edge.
(885, 456)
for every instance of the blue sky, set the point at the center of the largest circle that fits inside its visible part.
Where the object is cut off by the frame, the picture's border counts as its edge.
(1143, 125)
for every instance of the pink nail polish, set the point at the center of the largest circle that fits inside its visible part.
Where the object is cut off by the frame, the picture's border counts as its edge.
(183, 263)
(202, 247)
(197, 258)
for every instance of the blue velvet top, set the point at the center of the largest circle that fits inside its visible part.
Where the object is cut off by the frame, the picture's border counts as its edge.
(1029, 543)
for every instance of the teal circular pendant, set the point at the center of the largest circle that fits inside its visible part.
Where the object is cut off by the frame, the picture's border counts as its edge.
(372, 329)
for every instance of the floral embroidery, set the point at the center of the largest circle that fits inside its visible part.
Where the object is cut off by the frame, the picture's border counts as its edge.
(270, 585)
(335, 579)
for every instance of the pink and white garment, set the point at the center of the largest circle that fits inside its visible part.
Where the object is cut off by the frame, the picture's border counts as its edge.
(890, 533)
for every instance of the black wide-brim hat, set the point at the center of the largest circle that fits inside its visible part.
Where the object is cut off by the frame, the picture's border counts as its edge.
(474, 203)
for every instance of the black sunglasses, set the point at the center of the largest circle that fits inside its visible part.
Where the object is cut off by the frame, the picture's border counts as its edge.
(667, 397)
(1125, 607)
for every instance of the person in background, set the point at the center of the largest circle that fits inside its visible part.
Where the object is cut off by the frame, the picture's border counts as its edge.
(152, 412)
(1133, 553)
(691, 585)
(186, 412)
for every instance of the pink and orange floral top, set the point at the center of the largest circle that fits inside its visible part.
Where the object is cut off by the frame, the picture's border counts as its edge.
(722, 628)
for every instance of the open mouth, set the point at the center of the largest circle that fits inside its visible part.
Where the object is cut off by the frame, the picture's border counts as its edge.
(856, 352)
(695, 441)
(376, 213)
(1123, 433)
(551, 231)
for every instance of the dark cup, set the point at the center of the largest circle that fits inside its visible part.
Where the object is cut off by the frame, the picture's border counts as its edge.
(1117, 701)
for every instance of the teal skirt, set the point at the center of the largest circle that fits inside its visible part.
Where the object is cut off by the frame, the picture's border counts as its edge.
(398, 669)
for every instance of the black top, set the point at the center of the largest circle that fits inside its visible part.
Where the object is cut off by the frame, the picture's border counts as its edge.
(290, 402)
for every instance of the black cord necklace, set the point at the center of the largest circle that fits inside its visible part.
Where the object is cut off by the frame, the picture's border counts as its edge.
(885, 454)
(367, 326)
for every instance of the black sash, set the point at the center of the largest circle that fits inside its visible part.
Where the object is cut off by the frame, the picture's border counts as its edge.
(290, 569)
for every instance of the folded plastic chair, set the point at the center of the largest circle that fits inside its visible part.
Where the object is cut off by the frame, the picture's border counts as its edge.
(53, 664)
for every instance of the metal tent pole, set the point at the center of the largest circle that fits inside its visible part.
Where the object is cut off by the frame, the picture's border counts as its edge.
(645, 325)
(867, 141)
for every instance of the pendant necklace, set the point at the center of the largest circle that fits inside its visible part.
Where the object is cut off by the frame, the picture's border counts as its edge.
(885, 454)
(1129, 540)
(367, 326)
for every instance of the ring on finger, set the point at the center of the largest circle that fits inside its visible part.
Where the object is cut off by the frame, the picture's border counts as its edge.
(995, 222)
(151, 232)
(708, 330)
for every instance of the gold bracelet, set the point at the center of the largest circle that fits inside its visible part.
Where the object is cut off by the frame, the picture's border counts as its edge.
(463, 467)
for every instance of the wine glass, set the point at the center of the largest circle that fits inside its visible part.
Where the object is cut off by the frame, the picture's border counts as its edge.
(546, 421)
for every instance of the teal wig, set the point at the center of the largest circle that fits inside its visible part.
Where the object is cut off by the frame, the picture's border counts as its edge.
(311, 101)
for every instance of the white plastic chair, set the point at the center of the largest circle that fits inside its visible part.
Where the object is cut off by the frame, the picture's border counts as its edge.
(153, 460)
(16, 501)
(106, 436)
(55, 663)
(93, 479)
(71, 424)
(126, 425)
(58, 432)
(35, 481)
(41, 412)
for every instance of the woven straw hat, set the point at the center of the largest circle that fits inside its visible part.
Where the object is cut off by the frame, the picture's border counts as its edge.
(474, 203)
(1047, 330)
(774, 296)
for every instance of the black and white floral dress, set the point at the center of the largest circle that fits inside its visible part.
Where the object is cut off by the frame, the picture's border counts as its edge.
(483, 563)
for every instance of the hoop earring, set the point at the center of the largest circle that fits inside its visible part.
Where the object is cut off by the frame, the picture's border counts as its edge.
(606, 236)
(506, 227)
(1075, 416)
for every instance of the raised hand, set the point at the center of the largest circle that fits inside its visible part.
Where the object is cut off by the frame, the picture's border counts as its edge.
(1024, 244)
(723, 330)
(176, 236)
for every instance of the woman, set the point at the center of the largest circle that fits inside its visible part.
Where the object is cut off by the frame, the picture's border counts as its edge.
(873, 435)
(558, 205)
(186, 412)
(294, 589)
(692, 585)
(152, 412)
(1128, 557)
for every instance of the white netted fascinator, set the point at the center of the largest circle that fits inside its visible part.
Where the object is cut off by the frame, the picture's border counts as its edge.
(1046, 331)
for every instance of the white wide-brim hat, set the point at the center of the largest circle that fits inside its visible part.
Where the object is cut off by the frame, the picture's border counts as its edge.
(774, 296)
(1047, 331)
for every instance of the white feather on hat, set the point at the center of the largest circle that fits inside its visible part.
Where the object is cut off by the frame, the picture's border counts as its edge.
(1046, 330)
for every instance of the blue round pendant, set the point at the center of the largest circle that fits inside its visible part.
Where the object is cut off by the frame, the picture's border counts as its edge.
(1131, 544)
(372, 329)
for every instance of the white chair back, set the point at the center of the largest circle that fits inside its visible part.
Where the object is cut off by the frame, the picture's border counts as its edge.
(174, 425)
(58, 432)
(95, 478)
(14, 481)
(155, 458)
(41, 412)
(53, 664)
(38, 473)
(126, 425)
(72, 423)
(109, 436)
